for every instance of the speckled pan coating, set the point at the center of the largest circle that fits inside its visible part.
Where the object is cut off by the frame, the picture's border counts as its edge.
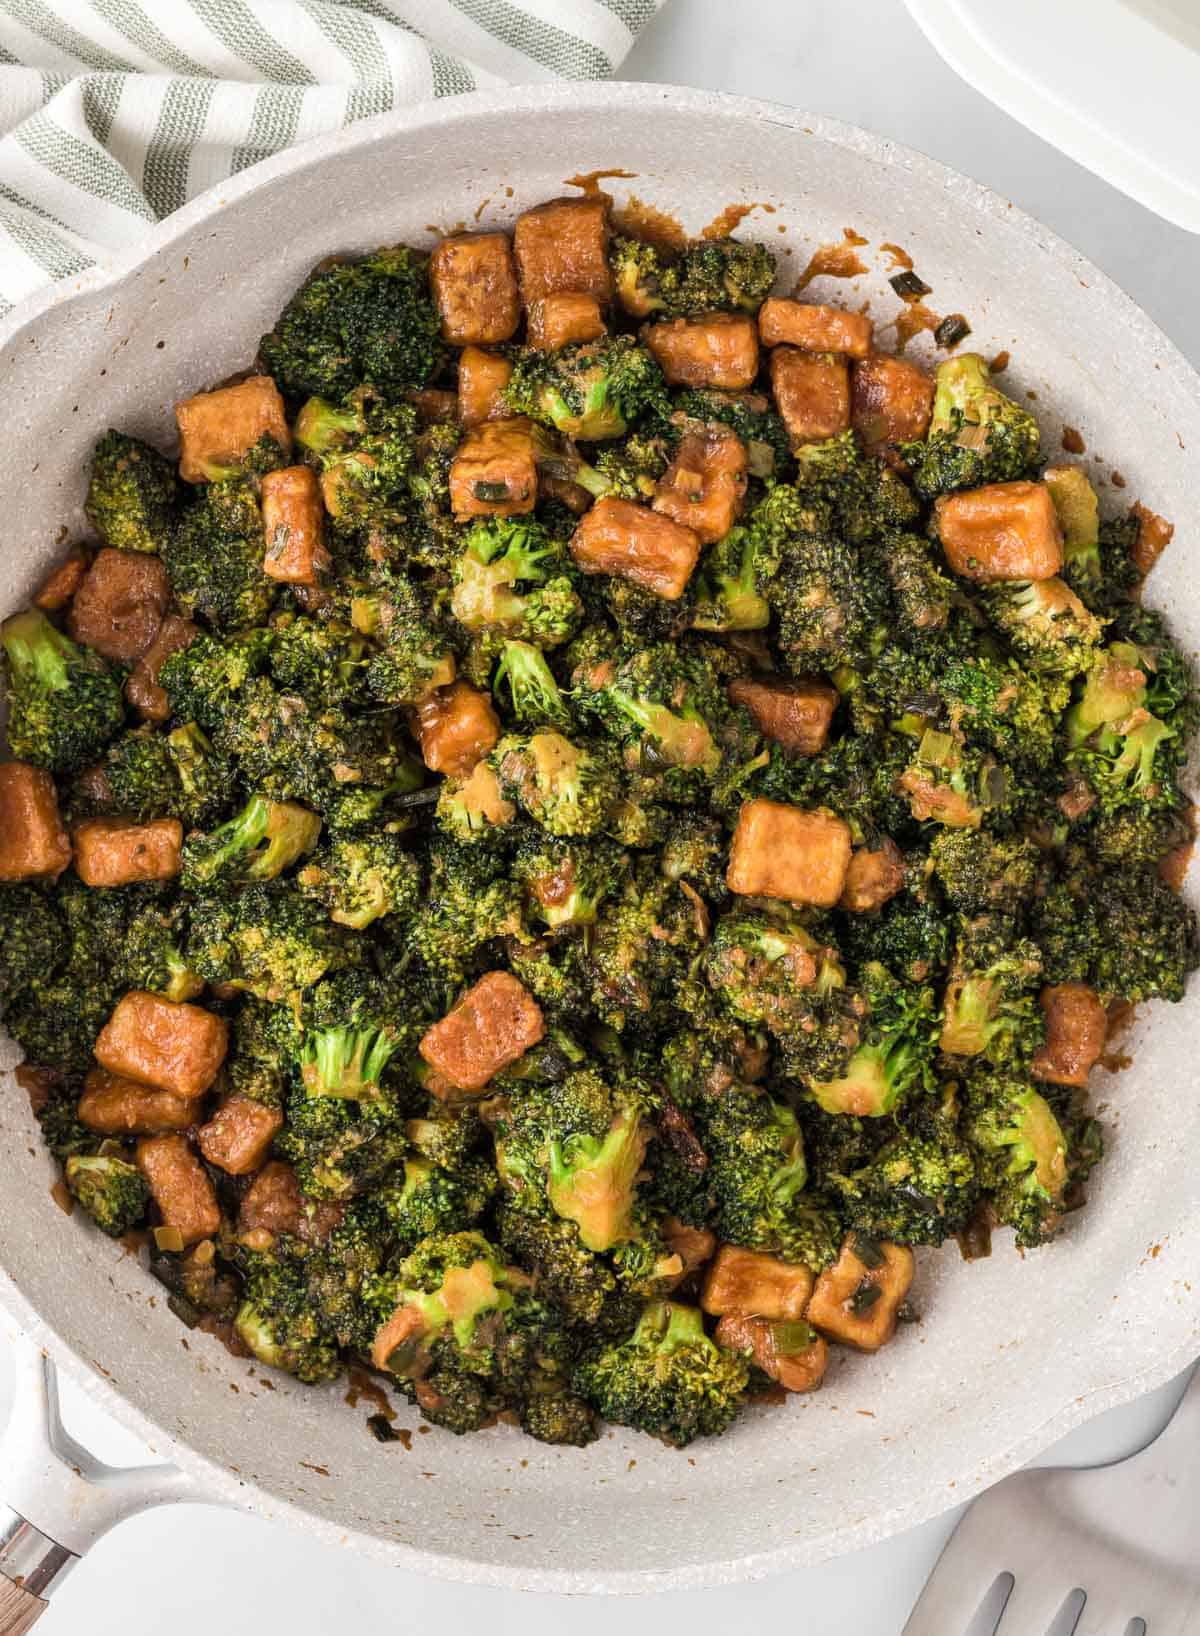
(1009, 1354)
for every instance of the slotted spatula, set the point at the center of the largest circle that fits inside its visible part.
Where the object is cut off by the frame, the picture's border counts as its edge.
(1126, 1536)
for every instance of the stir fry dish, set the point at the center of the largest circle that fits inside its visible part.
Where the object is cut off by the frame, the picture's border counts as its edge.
(586, 814)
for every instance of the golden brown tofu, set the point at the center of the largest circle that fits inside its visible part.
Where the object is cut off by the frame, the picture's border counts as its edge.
(1001, 531)
(856, 1300)
(125, 1107)
(482, 377)
(814, 328)
(474, 286)
(1076, 1030)
(705, 484)
(456, 727)
(293, 521)
(493, 473)
(780, 851)
(1154, 535)
(273, 1203)
(620, 537)
(180, 1187)
(563, 245)
(796, 714)
(217, 428)
(143, 689)
(118, 852)
(175, 1046)
(891, 400)
(753, 1282)
(33, 841)
(812, 393)
(791, 1354)
(693, 1245)
(61, 583)
(876, 873)
(435, 405)
(557, 320)
(238, 1136)
(719, 349)
(120, 604)
(494, 1023)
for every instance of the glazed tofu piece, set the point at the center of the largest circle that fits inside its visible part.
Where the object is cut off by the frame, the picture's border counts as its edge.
(796, 714)
(563, 245)
(623, 538)
(176, 1046)
(120, 604)
(494, 1023)
(557, 320)
(1154, 535)
(1076, 1031)
(493, 473)
(1001, 531)
(474, 282)
(238, 1136)
(115, 1106)
(118, 852)
(61, 583)
(33, 841)
(875, 874)
(180, 1187)
(783, 322)
(755, 1283)
(217, 428)
(781, 851)
(142, 690)
(856, 1300)
(273, 1203)
(293, 519)
(693, 1245)
(891, 400)
(705, 484)
(456, 727)
(482, 377)
(719, 349)
(812, 393)
(791, 1354)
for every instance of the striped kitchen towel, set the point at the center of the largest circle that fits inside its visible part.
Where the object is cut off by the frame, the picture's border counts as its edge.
(114, 112)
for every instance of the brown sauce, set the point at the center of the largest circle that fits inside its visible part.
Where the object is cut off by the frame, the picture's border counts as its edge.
(1000, 363)
(898, 257)
(37, 1083)
(1072, 440)
(363, 1388)
(834, 260)
(1121, 1015)
(588, 181)
(639, 220)
(733, 215)
(61, 1195)
(1117, 481)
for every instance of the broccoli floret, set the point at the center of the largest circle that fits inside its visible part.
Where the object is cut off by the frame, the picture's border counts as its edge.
(151, 953)
(535, 698)
(1122, 930)
(769, 971)
(566, 882)
(137, 777)
(321, 659)
(266, 939)
(203, 775)
(760, 427)
(922, 595)
(339, 1146)
(411, 656)
(588, 390)
(513, 579)
(726, 591)
(953, 784)
(434, 1199)
(827, 607)
(280, 1325)
(713, 275)
(469, 900)
(1138, 836)
(1008, 709)
(893, 1059)
(982, 873)
(990, 1000)
(352, 322)
(1078, 510)
(215, 557)
(350, 1034)
(976, 434)
(133, 493)
(58, 1016)
(64, 703)
(109, 1189)
(361, 878)
(263, 840)
(1128, 754)
(1022, 1155)
(855, 495)
(1046, 624)
(33, 939)
(365, 483)
(666, 708)
(203, 680)
(262, 1049)
(559, 1416)
(567, 787)
(912, 936)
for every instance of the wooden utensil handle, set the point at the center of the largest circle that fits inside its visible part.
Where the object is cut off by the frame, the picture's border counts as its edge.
(20, 1609)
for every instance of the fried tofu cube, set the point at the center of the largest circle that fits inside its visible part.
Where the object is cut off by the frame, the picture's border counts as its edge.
(1001, 531)
(705, 484)
(1076, 1031)
(293, 518)
(238, 1136)
(143, 690)
(180, 1187)
(891, 400)
(167, 1043)
(720, 349)
(812, 393)
(456, 727)
(33, 841)
(563, 245)
(796, 714)
(783, 322)
(124, 1107)
(216, 429)
(61, 583)
(753, 1282)
(482, 377)
(621, 537)
(120, 604)
(791, 1354)
(493, 473)
(875, 875)
(693, 1245)
(856, 1300)
(556, 320)
(273, 1204)
(494, 1023)
(780, 851)
(474, 283)
(118, 852)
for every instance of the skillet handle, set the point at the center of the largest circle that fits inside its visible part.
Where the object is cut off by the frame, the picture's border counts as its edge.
(57, 1499)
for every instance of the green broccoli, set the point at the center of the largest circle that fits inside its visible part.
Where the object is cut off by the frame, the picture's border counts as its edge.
(976, 434)
(893, 1058)
(263, 840)
(110, 1190)
(513, 579)
(64, 703)
(588, 390)
(990, 1000)
(215, 557)
(133, 494)
(565, 786)
(1022, 1155)
(361, 878)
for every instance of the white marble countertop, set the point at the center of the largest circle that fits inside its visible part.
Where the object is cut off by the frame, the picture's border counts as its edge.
(196, 1570)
